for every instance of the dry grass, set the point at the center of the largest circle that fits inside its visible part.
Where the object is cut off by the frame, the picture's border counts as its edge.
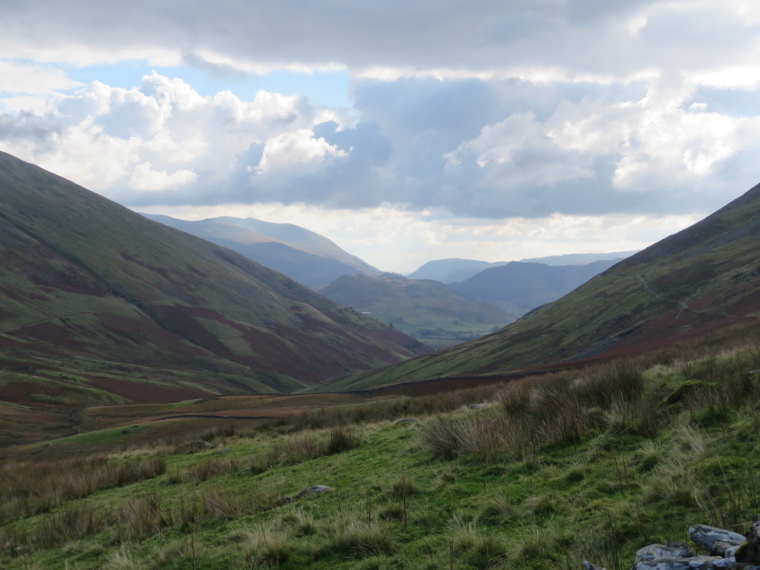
(31, 487)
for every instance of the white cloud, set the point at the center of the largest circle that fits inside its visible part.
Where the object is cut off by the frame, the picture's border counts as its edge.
(144, 177)
(549, 114)
(33, 79)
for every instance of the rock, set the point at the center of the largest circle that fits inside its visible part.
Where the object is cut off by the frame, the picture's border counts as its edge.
(286, 500)
(314, 490)
(589, 566)
(749, 552)
(683, 563)
(476, 406)
(658, 551)
(714, 540)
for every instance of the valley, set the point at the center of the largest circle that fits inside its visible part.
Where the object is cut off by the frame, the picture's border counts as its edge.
(166, 402)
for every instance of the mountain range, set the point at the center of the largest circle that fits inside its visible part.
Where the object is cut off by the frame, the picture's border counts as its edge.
(700, 279)
(454, 270)
(303, 255)
(519, 287)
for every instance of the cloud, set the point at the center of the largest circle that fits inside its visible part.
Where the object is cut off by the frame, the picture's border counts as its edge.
(475, 148)
(481, 36)
(144, 177)
(33, 79)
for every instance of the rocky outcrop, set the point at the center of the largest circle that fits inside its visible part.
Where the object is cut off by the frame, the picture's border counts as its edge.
(725, 550)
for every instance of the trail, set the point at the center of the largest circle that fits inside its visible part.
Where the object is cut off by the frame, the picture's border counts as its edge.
(683, 306)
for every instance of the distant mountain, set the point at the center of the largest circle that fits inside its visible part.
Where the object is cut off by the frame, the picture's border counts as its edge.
(451, 270)
(579, 258)
(425, 309)
(303, 255)
(457, 270)
(520, 287)
(99, 304)
(694, 282)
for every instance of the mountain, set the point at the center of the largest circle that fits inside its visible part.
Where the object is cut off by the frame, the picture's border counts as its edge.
(424, 309)
(696, 281)
(100, 304)
(303, 255)
(579, 258)
(457, 270)
(451, 270)
(520, 287)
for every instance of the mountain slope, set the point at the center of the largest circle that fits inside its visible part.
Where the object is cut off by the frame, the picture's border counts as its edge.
(98, 303)
(700, 279)
(425, 309)
(520, 287)
(303, 255)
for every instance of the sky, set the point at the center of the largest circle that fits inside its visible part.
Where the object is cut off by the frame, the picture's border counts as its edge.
(403, 130)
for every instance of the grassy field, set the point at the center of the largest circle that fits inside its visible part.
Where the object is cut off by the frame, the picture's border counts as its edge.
(537, 473)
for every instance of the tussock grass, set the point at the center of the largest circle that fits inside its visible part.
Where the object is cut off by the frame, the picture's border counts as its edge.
(585, 464)
(31, 487)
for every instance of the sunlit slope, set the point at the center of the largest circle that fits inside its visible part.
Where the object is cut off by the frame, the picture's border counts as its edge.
(702, 278)
(303, 255)
(84, 281)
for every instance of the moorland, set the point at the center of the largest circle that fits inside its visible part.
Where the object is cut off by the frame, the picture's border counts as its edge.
(168, 403)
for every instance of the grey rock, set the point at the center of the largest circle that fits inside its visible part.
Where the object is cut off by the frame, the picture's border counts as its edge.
(714, 540)
(659, 551)
(314, 490)
(589, 566)
(750, 550)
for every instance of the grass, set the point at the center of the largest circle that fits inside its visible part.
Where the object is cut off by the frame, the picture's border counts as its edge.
(553, 470)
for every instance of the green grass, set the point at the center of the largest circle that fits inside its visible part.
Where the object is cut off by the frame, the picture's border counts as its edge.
(596, 490)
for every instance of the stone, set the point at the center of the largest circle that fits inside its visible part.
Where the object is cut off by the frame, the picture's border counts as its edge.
(313, 490)
(657, 551)
(714, 540)
(749, 552)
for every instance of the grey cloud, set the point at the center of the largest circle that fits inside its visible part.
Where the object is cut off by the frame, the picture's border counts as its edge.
(29, 127)
(579, 35)
(217, 69)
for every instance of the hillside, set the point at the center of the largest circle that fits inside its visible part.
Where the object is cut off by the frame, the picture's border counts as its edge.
(697, 280)
(303, 255)
(520, 287)
(539, 474)
(100, 305)
(424, 309)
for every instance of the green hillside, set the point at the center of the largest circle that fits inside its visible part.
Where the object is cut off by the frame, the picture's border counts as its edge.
(303, 255)
(540, 474)
(424, 309)
(98, 303)
(702, 278)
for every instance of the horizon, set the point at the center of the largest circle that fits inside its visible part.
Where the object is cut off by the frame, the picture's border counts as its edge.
(403, 133)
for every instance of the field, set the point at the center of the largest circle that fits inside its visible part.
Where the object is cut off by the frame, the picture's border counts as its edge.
(538, 472)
